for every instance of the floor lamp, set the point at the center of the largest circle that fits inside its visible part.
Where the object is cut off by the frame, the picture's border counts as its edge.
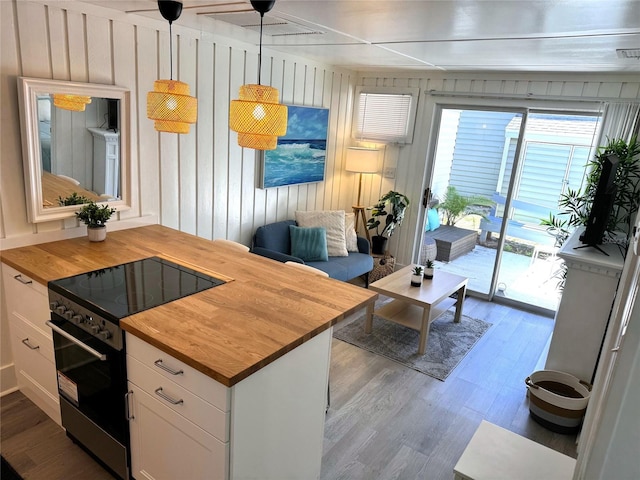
(361, 160)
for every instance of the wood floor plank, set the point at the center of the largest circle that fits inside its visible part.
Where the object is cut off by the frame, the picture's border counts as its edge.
(386, 421)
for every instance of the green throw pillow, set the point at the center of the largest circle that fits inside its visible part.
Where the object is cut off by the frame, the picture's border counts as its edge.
(309, 243)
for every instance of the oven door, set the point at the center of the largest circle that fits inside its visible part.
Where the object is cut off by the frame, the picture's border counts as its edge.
(91, 377)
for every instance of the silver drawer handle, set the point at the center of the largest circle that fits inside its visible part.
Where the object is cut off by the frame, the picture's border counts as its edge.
(28, 344)
(24, 282)
(166, 397)
(158, 363)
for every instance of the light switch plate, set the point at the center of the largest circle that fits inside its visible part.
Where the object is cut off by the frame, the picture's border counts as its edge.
(389, 172)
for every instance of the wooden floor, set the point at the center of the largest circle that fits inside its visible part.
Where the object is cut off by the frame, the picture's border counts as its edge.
(388, 421)
(385, 420)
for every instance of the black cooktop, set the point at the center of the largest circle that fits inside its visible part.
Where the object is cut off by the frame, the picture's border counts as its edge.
(133, 287)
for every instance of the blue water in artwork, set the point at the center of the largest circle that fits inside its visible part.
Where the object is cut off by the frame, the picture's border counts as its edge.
(295, 161)
(301, 153)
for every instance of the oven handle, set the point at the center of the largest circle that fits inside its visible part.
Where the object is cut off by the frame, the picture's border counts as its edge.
(73, 339)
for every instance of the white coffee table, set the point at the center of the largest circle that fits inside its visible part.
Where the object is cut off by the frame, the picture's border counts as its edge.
(417, 307)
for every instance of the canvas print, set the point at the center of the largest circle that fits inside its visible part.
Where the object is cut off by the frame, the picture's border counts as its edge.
(301, 153)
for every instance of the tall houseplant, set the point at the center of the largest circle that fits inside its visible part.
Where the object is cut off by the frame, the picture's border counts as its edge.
(576, 204)
(95, 218)
(386, 215)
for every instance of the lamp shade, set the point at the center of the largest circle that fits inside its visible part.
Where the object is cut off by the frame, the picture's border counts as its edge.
(258, 117)
(363, 160)
(77, 103)
(171, 107)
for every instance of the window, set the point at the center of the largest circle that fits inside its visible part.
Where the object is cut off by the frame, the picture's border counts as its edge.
(385, 114)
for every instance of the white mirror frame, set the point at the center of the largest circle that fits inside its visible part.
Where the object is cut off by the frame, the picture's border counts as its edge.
(28, 91)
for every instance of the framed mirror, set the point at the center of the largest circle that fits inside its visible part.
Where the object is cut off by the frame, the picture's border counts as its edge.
(75, 144)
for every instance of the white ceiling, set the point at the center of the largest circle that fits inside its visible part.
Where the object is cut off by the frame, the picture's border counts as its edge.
(461, 35)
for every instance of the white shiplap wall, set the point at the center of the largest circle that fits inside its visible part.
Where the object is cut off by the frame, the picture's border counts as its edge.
(201, 183)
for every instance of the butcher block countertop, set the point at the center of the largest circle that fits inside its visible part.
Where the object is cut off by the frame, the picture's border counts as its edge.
(265, 310)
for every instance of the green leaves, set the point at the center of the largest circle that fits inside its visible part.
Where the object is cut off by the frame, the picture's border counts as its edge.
(94, 215)
(397, 203)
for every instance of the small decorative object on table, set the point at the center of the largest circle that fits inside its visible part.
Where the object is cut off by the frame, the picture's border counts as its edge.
(416, 276)
(95, 218)
(428, 270)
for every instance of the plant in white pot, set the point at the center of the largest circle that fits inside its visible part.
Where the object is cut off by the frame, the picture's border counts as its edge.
(95, 218)
(428, 270)
(416, 276)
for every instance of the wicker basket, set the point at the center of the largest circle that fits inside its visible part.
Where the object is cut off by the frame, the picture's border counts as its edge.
(382, 266)
(557, 400)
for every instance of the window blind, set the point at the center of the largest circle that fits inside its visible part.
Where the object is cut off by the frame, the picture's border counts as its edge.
(387, 117)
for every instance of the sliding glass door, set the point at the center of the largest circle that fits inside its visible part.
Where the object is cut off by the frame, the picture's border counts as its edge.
(496, 174)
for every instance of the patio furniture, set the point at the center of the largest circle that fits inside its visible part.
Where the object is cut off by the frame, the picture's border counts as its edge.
(517, 229)
(452, 242)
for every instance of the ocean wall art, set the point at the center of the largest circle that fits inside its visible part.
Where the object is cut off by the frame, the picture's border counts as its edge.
(301, 153)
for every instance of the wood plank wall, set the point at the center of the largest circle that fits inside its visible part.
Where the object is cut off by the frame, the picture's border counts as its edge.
(201, 183)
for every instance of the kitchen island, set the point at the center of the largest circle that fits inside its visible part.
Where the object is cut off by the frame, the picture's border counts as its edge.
(261, 342)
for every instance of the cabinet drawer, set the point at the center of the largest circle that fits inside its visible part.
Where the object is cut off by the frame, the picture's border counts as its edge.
(191, 379)
(33, 354)
(29, 300)
(180, 400)
(165, 446)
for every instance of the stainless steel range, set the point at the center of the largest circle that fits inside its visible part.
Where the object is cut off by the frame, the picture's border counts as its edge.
(90, 347)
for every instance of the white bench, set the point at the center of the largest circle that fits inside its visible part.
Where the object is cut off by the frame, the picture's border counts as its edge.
(496, 454)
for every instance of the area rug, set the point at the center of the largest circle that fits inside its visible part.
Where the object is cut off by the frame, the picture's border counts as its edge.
(448, 342)
(7, 472)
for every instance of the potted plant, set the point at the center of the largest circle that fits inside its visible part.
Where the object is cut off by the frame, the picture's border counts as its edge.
(95, 218)
(416, 276)
(392, 207)
(428, 270)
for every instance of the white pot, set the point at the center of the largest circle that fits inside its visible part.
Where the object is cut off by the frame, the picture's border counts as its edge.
(428, 273)
(416, 280)
(97, 234)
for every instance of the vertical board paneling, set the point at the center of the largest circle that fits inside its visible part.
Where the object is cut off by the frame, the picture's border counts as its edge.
(187, 72)
(57, 27)
(34, 44)
(205, 129)
(99, 55)
(14, 212)
(124, 68)
(147, 148)
(76, 45)
(222, 148)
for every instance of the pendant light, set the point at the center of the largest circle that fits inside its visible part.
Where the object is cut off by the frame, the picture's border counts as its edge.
(76, 103)
(169, 104)
(257, 116)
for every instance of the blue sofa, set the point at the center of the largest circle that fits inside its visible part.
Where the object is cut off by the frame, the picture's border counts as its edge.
(273, 241)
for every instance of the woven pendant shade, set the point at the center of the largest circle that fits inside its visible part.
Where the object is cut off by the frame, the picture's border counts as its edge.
(76, 103)
(258, 117)
(171, 107)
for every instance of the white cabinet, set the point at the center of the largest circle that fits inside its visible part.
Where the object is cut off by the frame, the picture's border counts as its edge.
(268, 426)
(31, 340)
(581, 319)
(179, 418)
(106, 162)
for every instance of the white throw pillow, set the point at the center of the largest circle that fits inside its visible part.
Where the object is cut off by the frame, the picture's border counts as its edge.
(350, 232)
(333, 222)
